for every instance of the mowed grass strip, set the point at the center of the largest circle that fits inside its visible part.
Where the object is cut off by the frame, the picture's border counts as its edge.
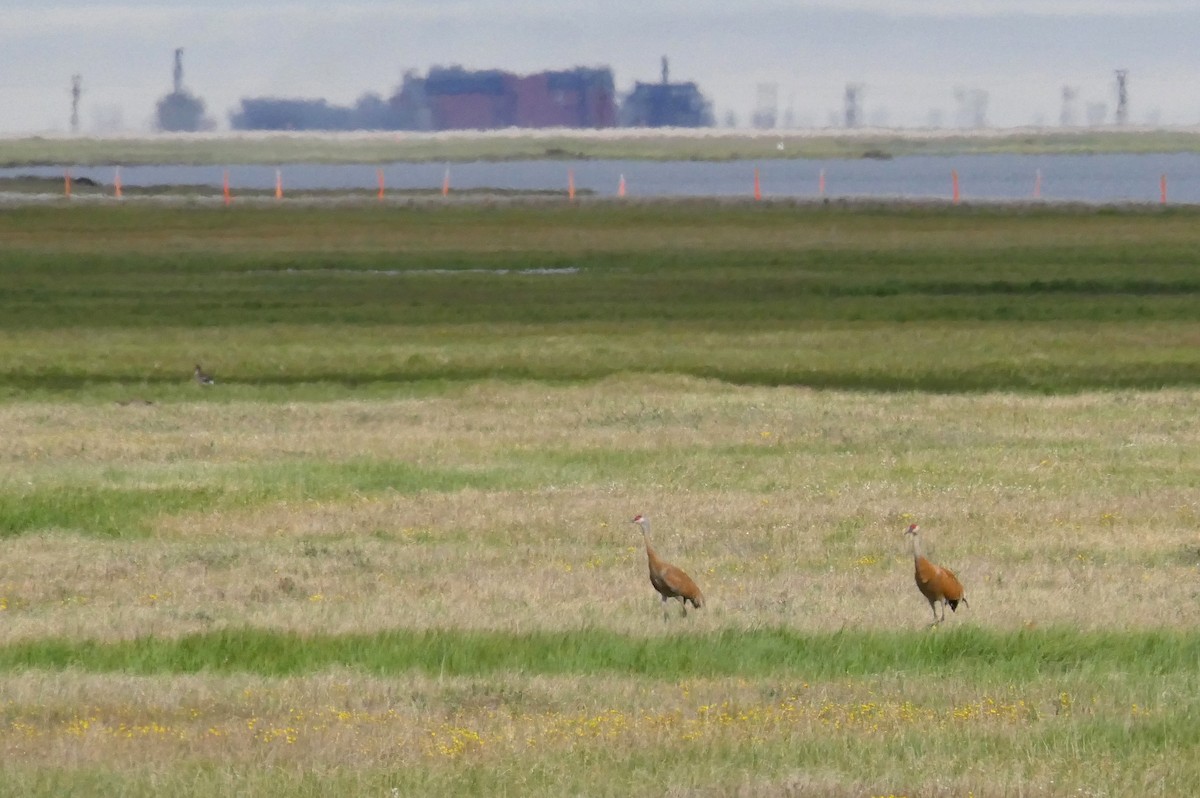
(754, 653)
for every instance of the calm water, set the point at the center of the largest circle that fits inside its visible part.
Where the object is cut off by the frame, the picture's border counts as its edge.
(1084, 178)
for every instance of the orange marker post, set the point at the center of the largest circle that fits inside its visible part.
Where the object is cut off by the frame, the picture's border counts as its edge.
(1162, 190)
(621, 186)
(379, 174)
(67, 183)
(225, 187)
(278, 184)
(954, 184)
(1037, 184)
(757, 186)
(446, 183)
(821, 183)
(117, 183)
(571, 185)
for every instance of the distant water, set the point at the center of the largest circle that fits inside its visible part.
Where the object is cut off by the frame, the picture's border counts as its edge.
(1081, 178)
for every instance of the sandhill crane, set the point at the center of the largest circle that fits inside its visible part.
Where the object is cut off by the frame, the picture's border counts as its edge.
(201, 377)
(935, 582)
(669, 581)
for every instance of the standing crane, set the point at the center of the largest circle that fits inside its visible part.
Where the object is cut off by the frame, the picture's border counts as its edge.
(935, 582)
(201, 377)
(669, 581)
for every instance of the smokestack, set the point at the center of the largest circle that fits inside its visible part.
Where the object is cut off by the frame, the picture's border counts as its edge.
(178, 70)
(76, 91)
(664, 70)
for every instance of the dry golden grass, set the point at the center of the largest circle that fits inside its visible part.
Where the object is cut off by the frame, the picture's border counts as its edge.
(359, 724)
(785, 505)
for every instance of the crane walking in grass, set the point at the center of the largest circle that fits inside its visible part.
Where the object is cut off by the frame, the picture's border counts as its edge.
(937, 584)
(201, 377)
(669, 581)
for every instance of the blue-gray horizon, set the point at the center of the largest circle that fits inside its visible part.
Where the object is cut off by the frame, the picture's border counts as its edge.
(916, 63)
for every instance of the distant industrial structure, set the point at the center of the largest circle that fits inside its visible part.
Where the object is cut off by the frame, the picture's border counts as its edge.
(458, 99)
(766, 108)
(181, 111)
(453, 98)
(1066, 116)
(666, 104)
(1095, 112)
(971, 107)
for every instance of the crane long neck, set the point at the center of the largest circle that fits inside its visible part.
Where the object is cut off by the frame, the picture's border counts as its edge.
(650, 553)
(916, 547)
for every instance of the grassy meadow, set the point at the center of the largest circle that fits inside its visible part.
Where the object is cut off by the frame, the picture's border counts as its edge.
(622, 143)
(389, 552)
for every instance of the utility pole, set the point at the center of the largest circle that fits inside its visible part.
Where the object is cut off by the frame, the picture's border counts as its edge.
(1122, 97)
(76, 91)
(853, 111)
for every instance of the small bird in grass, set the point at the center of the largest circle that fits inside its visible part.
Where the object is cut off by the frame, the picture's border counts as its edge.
(201, 377)
(669, 581)
(935, 582)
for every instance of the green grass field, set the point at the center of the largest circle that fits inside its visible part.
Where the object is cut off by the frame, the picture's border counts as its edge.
(389, 551)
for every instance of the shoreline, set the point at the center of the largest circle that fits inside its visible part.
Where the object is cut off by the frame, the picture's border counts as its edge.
(709, 144)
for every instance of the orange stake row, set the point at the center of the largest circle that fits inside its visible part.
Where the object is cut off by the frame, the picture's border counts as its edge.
(956, 194)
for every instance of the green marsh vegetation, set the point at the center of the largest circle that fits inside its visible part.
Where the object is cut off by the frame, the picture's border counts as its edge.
(389, 550)
(877, 299)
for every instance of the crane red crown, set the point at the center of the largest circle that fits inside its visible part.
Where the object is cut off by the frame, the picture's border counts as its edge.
(637, 519)
(912, 528)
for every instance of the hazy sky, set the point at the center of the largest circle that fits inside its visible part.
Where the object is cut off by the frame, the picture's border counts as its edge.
(909, 55)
